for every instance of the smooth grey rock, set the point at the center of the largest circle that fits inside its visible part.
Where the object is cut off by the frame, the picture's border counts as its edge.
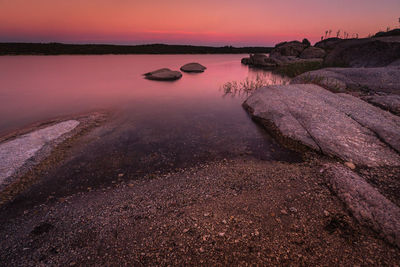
(386, 79)
(366, 204)
(387, 102)
(163, 75)
(14, 153)
(337, 125)
(313, 52)
(193, 67)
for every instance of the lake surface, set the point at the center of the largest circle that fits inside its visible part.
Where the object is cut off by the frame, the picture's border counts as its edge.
(156, 125)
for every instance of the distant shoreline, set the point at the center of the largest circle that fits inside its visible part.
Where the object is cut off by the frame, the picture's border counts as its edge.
(101, 49)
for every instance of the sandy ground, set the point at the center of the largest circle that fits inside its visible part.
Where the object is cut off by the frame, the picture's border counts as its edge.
(235, 212)
(238, 211)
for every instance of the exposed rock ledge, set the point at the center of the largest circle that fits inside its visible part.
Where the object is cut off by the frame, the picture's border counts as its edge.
(337, 125)
(366, 204)
(385, 79)
(15, 153)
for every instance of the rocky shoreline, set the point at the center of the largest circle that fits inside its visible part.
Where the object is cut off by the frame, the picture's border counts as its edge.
(349, 114)
(339, 206)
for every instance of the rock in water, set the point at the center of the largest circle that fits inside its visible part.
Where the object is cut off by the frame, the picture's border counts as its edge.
(163, 75)
(193, 67)
(337, 125)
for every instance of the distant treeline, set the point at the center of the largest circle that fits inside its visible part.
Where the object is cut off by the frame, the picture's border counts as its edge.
(95, 49)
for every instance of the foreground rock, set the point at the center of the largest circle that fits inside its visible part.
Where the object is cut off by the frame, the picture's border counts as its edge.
(370, 80)
(163, 75)
(15, 153)
(193, 67)
(337, 125)
(366, 204)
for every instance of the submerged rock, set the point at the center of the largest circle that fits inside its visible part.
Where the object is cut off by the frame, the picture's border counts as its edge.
(163, 75)
(193, 67)
(337, 125)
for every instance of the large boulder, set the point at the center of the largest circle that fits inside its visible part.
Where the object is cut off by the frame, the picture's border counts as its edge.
(193, 67)
(365, 202)
(293, 48)
(337, 125)
(369, 80)
(313, 52)
(388, 102)
(163, 75)
(367, 52)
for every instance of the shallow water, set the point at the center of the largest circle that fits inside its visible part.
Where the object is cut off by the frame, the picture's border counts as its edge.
(155, 124)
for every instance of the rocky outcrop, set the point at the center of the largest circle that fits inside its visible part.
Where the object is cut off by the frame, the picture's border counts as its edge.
(293, 48)
(285, 54)
(313, 52)
(365, 202)
(387, 101)
(367, 52)
(337, 125)
(163, 75)
(369, 80)
(193, 67)
(261, 61)
(328, 44)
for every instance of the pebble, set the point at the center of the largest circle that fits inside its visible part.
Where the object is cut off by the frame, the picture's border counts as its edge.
(284, 212)
(221, 234)
(350, 165)
(326, 213)
(293, 209)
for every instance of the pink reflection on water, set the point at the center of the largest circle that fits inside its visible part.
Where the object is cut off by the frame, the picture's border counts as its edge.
(36, 88)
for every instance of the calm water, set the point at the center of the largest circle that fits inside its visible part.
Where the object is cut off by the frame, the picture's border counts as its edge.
(157, 125)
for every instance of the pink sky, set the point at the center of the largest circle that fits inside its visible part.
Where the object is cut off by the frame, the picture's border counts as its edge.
(205, 22)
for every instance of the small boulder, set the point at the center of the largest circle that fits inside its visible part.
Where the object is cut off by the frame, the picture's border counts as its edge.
(193, 67)
(312, 52)
(163, 75)
(306, 42)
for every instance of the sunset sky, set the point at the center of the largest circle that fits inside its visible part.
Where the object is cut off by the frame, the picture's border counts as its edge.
(204, 22)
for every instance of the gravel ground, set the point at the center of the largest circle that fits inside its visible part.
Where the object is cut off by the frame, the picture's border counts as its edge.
(234, 212)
